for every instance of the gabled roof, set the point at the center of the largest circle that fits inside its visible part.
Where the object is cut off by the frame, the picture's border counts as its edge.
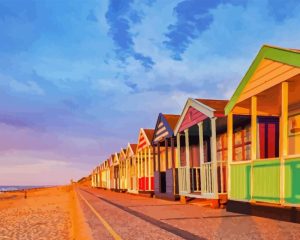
(282, 55)
(207, 107)
(131, 149)
(164, 127)
(145, 138)
(217, 105)
(122, 154)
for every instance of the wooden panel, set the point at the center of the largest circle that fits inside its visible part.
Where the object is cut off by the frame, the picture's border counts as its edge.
(240, 181)
(169, 181)
(268, 74)
(266, 181)
(263, 79)
(270, 83)
(292, 180)
(191, 118)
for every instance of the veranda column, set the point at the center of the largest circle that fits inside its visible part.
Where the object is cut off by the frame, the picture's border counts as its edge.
(178, 150)
(138, 168)
(229, 151)
(173, 165)
(253, 137)
(179, 163)
(201, 154)
(187, 154)
(214, 156)
(149, 167)
(145, 156)
(284, 136)
(166, 154)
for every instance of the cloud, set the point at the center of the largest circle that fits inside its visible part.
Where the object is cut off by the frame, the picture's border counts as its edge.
(193, 17)
(120, 16)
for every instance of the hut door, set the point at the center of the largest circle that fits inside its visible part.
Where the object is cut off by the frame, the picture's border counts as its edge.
(268, 129)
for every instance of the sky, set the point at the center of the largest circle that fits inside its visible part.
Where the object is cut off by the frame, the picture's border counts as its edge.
(79, 78)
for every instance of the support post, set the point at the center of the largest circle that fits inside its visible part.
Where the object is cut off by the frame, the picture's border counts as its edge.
(138, 169)
(178, 150)
(158, 166)
(178, 163)
(187, 154)
(173, 165)
(201, 155)
(229, 150)
(149, 168)
(253, 138)
(166, 154)
(284, 136)
(214, 156)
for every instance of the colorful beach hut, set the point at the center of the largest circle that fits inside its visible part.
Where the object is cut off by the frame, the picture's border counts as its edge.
(107, 173)
(116, 171)
(94, 178)
(202, 149)
(111, 172)
(165, 162)
(144, 155)
(269, 95)
(131, 163)
(123, 170)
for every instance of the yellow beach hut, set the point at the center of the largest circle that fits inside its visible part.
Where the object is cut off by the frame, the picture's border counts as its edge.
(269, 94)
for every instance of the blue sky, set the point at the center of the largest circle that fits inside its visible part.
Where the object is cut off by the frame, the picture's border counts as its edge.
(79, 78)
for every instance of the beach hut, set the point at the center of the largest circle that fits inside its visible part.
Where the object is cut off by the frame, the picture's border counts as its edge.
(116, 164)
(122, 170)
(94, 178)
(107, 173)
(202, 149)
(144, 155)
(131, 164)
(165, 162)
(97, 176)
(111, 172)
(269, 95)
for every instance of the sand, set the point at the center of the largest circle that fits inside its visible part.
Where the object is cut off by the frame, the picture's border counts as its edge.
(50, 213)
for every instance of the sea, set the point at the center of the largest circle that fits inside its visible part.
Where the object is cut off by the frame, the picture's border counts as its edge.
(17, 188)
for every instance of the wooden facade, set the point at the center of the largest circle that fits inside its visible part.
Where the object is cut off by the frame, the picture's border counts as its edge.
(165, 168)
(200, 133)
(144, 155)
(271, 89)
(131, 168)
(123, 171)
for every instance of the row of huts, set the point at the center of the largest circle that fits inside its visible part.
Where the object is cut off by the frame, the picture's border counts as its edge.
(245, 150)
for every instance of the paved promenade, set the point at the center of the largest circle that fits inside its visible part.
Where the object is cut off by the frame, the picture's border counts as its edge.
(126, 216)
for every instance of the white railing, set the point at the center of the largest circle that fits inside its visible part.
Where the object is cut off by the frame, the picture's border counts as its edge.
(196, 179)
(182, 179)
(201, 179)
(207, 182)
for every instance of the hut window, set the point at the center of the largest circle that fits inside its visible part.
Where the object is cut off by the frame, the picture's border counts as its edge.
(222, 147)
(242, 144)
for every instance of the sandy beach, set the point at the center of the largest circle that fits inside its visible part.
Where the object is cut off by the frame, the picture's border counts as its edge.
(50, 213)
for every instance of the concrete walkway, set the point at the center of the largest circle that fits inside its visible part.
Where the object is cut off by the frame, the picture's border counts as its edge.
(136, 217)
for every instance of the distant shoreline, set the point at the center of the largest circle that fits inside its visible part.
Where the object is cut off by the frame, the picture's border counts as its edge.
(4, 189)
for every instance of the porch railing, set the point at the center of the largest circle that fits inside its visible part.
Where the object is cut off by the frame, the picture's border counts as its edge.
(207, 178)
(201, 179)
(182, 179)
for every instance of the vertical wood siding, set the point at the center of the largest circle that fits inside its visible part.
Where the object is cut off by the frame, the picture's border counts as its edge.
(240, 181)
(266, 180)
(292, 181)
